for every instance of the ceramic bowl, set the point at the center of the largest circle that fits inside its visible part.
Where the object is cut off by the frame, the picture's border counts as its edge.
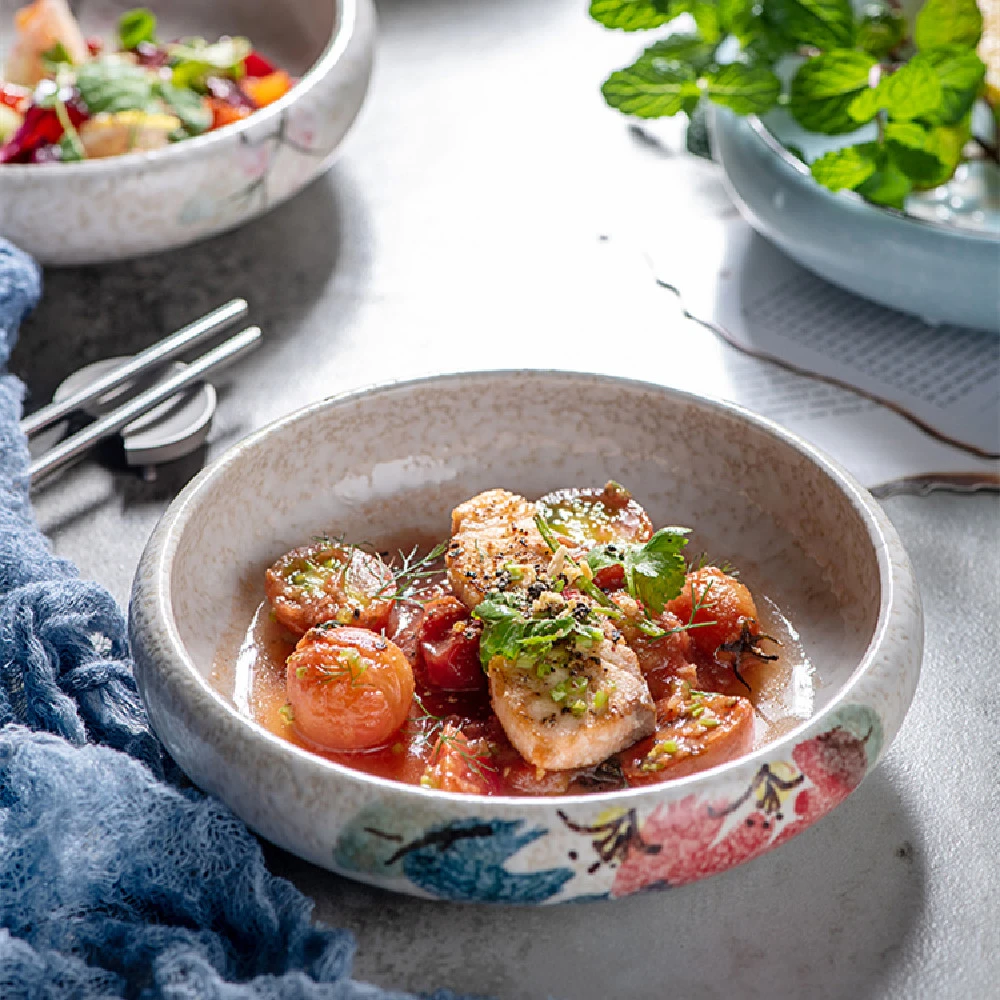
(941, 271)
(125, 206)
(400, 456)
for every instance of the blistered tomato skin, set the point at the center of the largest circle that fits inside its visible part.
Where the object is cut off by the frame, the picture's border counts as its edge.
(449, 646)
(348, 688)
(661, 660)
(583, 518)
(328, 582)
(718, 603)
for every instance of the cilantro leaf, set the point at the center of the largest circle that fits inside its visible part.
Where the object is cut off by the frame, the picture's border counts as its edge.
(848, 167)
(631, 15)
(825, 89)
(822, 24)
(509, 631)
(947, 22)
(652, 87)
(107, 85)
(136, 26)
(744, 89)
(654, 572)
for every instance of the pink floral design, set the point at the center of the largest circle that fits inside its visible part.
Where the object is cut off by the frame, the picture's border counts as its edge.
(693, 838)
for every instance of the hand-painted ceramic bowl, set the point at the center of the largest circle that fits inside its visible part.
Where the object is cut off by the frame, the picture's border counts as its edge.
(139, 203)
(397, 458)
(943, 271)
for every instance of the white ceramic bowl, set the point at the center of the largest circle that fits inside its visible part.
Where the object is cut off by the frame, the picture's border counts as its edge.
(124, 206)
(401, 456)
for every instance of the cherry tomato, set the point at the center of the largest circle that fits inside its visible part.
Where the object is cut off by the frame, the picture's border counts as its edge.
(583, 518)
(14, 96)
(720, 605)
(661, 660)
(348, 688)
(610, 577)
(449, 646)
(695, 730)
(458, 764)
(329, 582)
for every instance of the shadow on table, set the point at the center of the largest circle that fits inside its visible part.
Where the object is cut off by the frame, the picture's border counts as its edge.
(829, 915)
(280, 263)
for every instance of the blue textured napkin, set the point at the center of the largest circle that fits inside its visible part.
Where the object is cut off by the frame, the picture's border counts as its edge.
(116, 880)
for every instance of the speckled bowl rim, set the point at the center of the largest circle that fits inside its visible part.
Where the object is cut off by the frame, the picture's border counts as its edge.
(343, 29)
(156, 564)
(852, 201)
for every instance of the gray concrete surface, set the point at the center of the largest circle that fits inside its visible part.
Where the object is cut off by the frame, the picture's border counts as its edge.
(440, 241)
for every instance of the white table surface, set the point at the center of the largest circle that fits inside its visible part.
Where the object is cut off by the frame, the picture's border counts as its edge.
(440, 241)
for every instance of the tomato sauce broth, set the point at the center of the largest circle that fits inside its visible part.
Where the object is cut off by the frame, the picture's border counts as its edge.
(782, 694)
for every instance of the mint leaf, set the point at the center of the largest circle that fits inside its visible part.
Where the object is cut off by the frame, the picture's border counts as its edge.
(960, 73)
(822, 24)
(684, 48)
(631, 15)
(136, 26)
(824, 88)
(706, 18)
(651, 87)
(948, 22)
(846, 168)
(913, 91)
(928, 156)
(744, 89)
(734, 13)
(110, 86)
(194, 113)
(887, 186)
(880, 30)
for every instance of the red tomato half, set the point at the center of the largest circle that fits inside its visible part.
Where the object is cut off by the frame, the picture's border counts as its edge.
(449, 646)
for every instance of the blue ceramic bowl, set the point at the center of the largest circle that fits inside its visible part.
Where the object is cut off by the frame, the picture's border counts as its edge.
(937, 270)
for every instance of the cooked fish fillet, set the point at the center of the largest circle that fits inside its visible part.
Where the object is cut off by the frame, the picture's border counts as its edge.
(488, 532)
(548, 733)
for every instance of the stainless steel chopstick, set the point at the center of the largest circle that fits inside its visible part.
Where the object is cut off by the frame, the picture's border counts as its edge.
(153, 357)
(68, 451)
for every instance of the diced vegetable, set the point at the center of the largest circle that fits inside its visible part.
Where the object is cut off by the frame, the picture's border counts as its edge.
(265, 90)
(256, 65)
(126, 132)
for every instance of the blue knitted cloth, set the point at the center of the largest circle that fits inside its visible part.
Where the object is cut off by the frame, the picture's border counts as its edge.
(116, 880)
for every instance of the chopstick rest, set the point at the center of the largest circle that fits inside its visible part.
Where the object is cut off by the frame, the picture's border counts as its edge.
(175, 428)
(75, 446)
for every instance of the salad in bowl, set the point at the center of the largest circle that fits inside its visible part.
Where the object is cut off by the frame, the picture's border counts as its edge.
(65, 97)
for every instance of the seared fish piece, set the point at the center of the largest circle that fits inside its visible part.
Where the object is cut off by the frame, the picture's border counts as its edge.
(579, 713)
(493, 530)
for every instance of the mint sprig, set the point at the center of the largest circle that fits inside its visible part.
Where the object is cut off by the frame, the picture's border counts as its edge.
(853, 68)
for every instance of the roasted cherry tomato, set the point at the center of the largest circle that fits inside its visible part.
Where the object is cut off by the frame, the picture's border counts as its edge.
(695, 730)
(663, 659)
(329, 582)
(718, 603)
(583, 518)
(348, 688)
(458, 764)
(449, 646)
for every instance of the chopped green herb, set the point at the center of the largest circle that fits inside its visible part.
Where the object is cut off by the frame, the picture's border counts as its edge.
(136, 26)
(287, 714)
(579, 707)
